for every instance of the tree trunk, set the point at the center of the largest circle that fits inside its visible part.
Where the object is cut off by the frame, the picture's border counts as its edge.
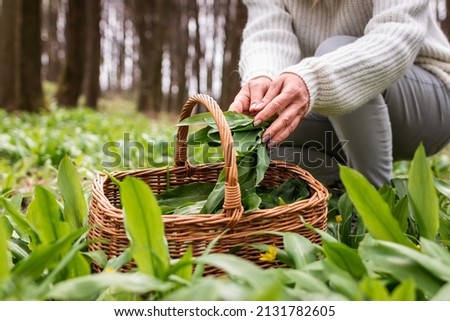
(93, 55)
(235, 21)
(20, 56)
(181, 55)
(70, 84)
(149, 18)
(9, 50)
(31, 97)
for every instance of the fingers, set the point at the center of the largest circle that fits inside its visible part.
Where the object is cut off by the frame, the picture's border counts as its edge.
(250, 95)
(272, 92)
(283, 126)
(288, 98)
(275, 107)
(258, 89)
(241, 102)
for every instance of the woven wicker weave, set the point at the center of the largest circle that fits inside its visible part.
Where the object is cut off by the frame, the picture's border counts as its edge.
(198, 230)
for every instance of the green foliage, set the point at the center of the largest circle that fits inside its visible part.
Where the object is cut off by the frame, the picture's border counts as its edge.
(385, 244)
(373, 209)
(422, 195)
(145, 228)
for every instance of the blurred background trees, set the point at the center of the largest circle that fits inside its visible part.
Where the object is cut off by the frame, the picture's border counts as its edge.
(159, 52)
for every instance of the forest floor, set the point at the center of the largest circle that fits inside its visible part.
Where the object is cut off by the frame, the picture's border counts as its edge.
(31, 146)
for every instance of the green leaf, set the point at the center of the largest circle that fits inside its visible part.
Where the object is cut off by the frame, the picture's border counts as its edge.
(43, 257)
(199, 137)
(183, 267)
(342, 281)
(401, 212)
(405, 291)
(291, 191)
(72, 263)
(372, 208)
(423, 196)
(187, 193)
(345, 258)
(374, 289)
(145, 227)
(305, 281)
(215, 199)
(263, 163)
(205, 289)
(19, 250)
(443, 187)
(235, 266)
(5, 258)
(299, 249)
(246, 141)
(233, 119)
(443, 294)
(97, 256)
(116, 263)
(189, 208)
(45, 216)
(434, 250)
(21, 225)
(251, 202)
(69, 184)
(388, 195)
(403, 263)
(88, 287)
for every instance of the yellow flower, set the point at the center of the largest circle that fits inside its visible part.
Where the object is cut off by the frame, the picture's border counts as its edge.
(418, 246)
(109, 270)
(270, 255)
(338, 218)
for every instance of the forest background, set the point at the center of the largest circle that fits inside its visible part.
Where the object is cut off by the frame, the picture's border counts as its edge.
(155, 53)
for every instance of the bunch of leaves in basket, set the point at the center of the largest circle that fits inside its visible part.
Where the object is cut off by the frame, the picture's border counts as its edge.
(253, 161)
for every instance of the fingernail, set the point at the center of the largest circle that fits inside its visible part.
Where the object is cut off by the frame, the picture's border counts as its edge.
(252, 106)
(257, 122)
(265, 138)
(271, 144)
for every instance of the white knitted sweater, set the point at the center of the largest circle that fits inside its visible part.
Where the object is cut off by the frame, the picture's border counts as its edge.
(282, 36)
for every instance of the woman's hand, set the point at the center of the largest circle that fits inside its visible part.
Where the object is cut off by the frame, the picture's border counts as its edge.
(286, 96)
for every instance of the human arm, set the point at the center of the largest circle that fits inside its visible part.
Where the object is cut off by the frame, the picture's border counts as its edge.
(343, 80)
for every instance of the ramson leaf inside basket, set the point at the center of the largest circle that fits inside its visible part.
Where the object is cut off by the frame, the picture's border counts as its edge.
(253, 161)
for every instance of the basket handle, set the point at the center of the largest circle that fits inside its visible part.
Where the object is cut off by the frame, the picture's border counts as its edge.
(232, 200)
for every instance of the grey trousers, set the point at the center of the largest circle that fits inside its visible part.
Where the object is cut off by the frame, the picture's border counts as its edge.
(414, 109)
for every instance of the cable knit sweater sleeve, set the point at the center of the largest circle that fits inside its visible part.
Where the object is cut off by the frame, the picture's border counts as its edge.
(270, 44)
(346, 78)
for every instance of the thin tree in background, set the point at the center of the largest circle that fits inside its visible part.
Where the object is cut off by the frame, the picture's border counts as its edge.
(93, 55)
(150, 22)
(20, 56)
(9, 48)
(31, 97)
(70, 84)
(179, 55)
(235, 17)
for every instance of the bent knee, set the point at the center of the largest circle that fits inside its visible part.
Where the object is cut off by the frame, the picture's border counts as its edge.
(333, 43)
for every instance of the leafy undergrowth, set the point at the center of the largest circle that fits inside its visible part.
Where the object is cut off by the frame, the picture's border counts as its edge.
(32, 146)
(386, 244)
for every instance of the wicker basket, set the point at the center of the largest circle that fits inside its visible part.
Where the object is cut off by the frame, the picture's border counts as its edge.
(198, 230)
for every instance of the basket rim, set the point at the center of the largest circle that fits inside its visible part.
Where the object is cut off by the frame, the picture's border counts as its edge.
(318, 195)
